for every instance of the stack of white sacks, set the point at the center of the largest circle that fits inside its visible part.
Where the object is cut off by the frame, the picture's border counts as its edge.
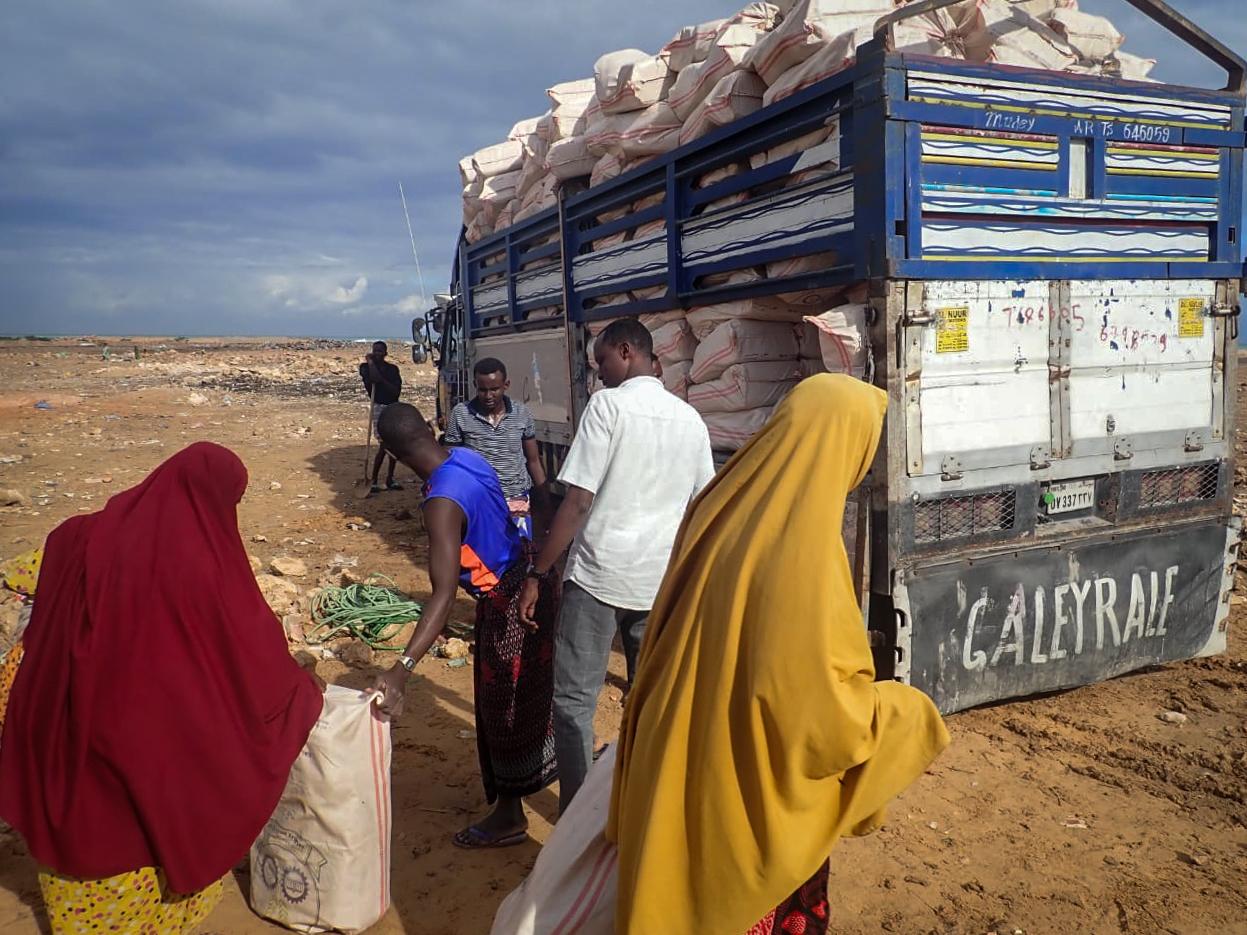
(734, 362)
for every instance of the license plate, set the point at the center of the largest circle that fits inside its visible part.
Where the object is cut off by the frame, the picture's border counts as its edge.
(1068, 497)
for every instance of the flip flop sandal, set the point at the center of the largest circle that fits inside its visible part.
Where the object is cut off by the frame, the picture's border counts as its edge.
(393, 486)
(473, 838)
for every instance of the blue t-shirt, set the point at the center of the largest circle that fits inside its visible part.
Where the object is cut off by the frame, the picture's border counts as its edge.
(491, 543)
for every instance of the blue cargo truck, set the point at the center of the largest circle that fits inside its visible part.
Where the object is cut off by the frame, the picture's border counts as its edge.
(1053, 265)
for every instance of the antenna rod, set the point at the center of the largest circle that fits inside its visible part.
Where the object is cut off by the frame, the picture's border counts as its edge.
(412, 237)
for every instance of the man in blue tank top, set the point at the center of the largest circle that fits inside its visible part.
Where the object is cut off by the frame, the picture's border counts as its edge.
(474, 544)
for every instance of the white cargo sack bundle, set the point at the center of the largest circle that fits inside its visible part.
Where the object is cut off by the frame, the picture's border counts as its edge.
(649, 132)
(746, 386)
(742, 341)
(736, 95)
(842, 338)
(322, 863)
(730, 430)
(572, 887)
(499, 158)
(997, 31)
(639, 84)
(810, 25)
(570, 158)
(690, 45)
(568, 103)
(1093, 37)
(674, 342)
(675, 377)
(703, 321)
(697, 81)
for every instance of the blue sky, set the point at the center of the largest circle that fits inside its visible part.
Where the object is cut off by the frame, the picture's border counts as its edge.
(231, 167)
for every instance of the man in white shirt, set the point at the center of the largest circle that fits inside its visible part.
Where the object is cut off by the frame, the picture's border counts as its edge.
(639, 457)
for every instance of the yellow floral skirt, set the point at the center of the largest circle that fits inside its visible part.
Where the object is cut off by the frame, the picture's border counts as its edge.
(135, 903)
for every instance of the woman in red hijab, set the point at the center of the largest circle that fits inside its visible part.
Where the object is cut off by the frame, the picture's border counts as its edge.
(156, 713)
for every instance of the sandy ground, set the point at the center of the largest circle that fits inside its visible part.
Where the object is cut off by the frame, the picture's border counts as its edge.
(1080, 812)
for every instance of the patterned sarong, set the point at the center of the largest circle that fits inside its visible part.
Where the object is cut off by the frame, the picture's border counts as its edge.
(514, 688)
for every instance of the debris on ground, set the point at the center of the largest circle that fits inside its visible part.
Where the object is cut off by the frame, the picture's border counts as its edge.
(280, 593)
(288, 567)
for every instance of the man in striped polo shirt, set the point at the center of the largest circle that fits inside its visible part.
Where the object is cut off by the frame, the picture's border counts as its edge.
(504, 433)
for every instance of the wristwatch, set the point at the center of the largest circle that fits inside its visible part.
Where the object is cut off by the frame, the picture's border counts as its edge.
(407, 663)
(534, 573)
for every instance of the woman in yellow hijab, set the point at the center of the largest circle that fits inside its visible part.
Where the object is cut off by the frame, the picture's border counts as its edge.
(755, 735)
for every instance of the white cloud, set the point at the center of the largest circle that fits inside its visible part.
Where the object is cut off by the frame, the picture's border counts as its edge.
(344, 296)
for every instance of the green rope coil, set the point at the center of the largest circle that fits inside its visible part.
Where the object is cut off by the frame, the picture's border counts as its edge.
(371, 613)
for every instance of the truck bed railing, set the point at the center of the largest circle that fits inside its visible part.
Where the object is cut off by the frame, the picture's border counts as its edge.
(911, 167)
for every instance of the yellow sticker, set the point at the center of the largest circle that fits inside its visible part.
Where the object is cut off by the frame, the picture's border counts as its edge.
(952, 334)
(1190, 318)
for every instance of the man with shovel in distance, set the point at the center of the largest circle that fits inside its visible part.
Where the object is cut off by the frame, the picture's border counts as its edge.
(384, 384)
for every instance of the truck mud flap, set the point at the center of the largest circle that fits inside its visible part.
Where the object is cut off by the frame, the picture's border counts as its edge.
(1044, 619)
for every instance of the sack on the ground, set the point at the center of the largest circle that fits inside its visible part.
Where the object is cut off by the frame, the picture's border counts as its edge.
(572, 887)
(322, 863)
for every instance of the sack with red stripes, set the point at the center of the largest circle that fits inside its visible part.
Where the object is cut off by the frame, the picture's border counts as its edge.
(571, 889)
(322, 863)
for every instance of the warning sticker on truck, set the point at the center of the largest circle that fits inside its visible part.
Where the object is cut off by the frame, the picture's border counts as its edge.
(1191, 318)
(952, 333)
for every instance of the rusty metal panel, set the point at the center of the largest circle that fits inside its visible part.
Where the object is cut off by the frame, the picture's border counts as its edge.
(1043, 619)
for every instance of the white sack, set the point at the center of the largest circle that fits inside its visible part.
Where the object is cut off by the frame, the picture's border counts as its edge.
(703, 321)
(499, 158)
(499, 189)
(842, 339)
(800, 265)
(736, 95)
(810, 25)
(572, 886)
(690, 45)
(655, 320)
(608, 68)
(568, 103)
(697, 81)
(1093, 37)
(738, 389)
(322, 863)
(609, 166)
(827, 61)
(819, 149)
(808, 345)
(524, 129)
(674, 342)
(675, 377)
(1130, 67)
(730, 430)
(741, 341)
(570, 158)
(649, 132)
(640, 85)
(996, 31)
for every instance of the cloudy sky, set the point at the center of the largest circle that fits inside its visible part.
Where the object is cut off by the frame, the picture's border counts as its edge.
(232, 167)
